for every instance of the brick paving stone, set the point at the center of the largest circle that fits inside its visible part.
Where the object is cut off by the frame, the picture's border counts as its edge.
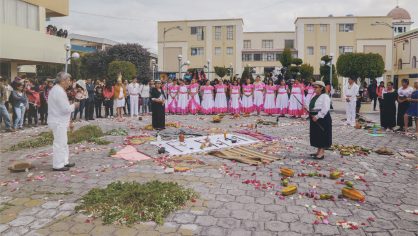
(22, 221)
(16, 231)
(264, 216)
(241, 214)
(3, 227)
(264, 200)
(402, 233)
(326, 229)
(46, 213)
(184, 218)
(81, 228)
(277, 226)
(67, 206)
(287, 217)
(102, 230)
(228, 223)
(206, 220)
(244, 199)
(51, 205)
(214, 231)
(240, 232)
(263, 233)
(39, 223)
(304, 228)
(125, 231)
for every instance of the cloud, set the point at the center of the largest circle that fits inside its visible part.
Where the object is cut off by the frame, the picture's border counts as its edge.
(136, 20)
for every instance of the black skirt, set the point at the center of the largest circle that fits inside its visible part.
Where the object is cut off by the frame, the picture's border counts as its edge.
(321, 138)
(158, 115)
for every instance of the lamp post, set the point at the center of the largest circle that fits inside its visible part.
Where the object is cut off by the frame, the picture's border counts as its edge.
(181, 64)
(165, 31)
(75, 55)
(208, 69)
(153, 68)
(393, 44)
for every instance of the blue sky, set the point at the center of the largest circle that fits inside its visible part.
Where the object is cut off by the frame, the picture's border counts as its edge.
(136, 20)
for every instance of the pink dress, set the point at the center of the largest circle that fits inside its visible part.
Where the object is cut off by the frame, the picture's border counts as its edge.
(183, 100)
(247, 105)
(235, 101)
(296, 100)
(171, 104)
(270, 100)
(194, 102)
(310, 94)
(282, 100)
(259, 96)
(221, 105)
(207, 100)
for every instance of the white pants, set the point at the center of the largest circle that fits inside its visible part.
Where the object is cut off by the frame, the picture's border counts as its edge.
(60, 145)
(350, 111)
(134, 104)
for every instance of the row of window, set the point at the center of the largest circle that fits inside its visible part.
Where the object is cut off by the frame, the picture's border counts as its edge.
(19, 13)
(324, 27)
(199, 51)
(199, 32)
(288, 43)
(261, 56)
(413, 64)
(323, 50)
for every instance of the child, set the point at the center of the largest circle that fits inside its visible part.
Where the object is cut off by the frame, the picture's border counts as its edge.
(207, 98)
(221, 105)
(296, 100)
(259, 88)
(183, 98)
(270, 100)
(234, 102)
(194, 102)
(247, 97)
(172, 93)
(282, 100)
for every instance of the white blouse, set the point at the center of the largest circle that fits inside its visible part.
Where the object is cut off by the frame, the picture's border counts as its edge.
(405, 92)
(322, 104)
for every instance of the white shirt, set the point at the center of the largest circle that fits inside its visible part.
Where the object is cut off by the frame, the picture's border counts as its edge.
(351, 91)
(322, 105)
(144, 90)
(133, 89)
(405, 92)
(59, 108)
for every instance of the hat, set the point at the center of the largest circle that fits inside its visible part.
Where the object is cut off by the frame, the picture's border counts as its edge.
(81, 83)
(319, 83)
(157, 81)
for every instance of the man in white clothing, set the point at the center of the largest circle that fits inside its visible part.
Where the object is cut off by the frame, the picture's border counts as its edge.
(133, 91)
(59, 112)
(350, 96)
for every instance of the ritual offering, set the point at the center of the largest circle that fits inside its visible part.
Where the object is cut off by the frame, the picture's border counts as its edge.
(289, 190)
(384, 151)
(181, 137)
(216, 119)
(137, 140)
(325, 196)
(287, 172)
(335, 174)
(351, 150)
(148, 127)
(20, 166)
(352, 194)
(285, 182)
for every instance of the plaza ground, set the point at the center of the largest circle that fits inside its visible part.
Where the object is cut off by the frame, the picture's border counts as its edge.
(41, 202)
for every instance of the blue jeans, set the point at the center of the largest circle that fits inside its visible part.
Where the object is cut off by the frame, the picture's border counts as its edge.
(145, 105)
(20, 116)
(4, 114)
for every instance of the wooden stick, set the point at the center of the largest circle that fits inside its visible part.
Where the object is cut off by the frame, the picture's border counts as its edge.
(247, 150)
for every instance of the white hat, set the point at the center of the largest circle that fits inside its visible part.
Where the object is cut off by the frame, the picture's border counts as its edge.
(82, 84)
(319, 83)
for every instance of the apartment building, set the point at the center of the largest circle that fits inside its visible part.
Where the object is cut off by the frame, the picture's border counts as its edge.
(405, 57)
(262, 50)
(320, 36)
(86, 43)
(200, 42)
(23, 38)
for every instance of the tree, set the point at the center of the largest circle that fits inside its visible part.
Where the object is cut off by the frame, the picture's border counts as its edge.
(360, 65)
(286, 58)
(297, 61)
(133, 53)
(324, 72)
(94, 65)
(220, 71)
(306, 72)
(246, 74)
(127, 69)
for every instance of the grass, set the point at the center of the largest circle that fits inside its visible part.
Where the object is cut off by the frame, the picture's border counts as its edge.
(5, 206)
(117, 132)
(90, 133)
(128, 203)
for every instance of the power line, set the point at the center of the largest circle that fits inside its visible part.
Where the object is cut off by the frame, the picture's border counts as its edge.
(106, 16)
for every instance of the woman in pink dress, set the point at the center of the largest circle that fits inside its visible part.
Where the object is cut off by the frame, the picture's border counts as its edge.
(234, 100)
(270, 100)
(172, 93)
(221, 105)
(207, 98)
(194, 102)
(282, 99)
(296, 101)
(310, 92)
(183, 98)
(247, 105)
(259, 88)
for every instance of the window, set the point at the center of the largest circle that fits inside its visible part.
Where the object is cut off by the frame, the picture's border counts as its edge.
(247, 57)
(229, 50)
(193, 30)
(19, 13)
(257, 57)
(278, 56)
(218, 51)
(400, 29)
(247, 43)
(267, 43)
(198, 31)
(310, 50)
(310, 27)
(346, 27)
(323, 27)
(218, 32)
(323, 50)
(230, 32)
(345, 49)
(270, 56)
(414, 62)
(197, 51)
(400, 64)
(289, 43)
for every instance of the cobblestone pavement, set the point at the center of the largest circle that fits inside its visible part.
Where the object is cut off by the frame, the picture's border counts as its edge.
(41, 202)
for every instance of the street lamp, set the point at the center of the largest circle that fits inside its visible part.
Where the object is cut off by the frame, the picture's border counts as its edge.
(377, 23)
(153, 68)
(207, 66)
(181, 64)
(75, 55)
(331, 55)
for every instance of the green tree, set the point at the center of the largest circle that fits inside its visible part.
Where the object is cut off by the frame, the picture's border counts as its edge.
(306, 72)
(324, 72)
(297, 61)
(127, 69)
(221, 71)
(246, 74)
(134, 53)
(286, 58)
(360, 65)
(94, 65)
